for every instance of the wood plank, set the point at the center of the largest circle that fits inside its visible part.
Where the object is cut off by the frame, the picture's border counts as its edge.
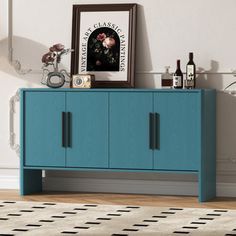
(120, 199)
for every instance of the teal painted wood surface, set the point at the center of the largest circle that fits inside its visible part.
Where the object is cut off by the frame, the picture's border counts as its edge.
(207, 171)
(43, 129)
(110, 132)
(129, 130)
(179, 131)
(89, 130)
(30, 181)
(110, 169)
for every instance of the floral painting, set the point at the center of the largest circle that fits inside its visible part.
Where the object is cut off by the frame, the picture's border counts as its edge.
(103, 40)
(103, 50)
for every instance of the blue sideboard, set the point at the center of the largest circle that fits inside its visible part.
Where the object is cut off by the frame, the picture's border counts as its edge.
(139, 130)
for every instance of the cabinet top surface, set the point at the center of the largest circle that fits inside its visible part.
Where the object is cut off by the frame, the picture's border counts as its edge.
(114, 90)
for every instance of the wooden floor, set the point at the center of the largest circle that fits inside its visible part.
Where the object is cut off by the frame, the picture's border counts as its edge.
(120, 199)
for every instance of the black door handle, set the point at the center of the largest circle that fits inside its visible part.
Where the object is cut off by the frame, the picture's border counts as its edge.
(151, 131)
(156, 127)
(63, 124)
(69, 117)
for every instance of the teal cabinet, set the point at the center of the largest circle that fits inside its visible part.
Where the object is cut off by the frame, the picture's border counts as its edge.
(76, 125)
(89, 129)
(141, 130)
(43, 129)
(129, 130)
(178, 131)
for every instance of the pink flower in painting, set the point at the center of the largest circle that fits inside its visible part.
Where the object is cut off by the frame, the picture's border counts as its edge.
(98, 63)
(109, 42)
(101, 37)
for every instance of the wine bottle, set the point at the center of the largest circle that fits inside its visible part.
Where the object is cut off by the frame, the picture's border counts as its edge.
(166, 78)
(178, 77)
(190, 81)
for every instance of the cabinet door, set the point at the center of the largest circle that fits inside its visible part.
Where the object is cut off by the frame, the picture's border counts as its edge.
(178, 129)
(43, 129)
(129, 130)
(89, 129)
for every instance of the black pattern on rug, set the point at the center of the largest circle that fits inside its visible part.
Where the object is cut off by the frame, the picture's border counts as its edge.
(39, 218)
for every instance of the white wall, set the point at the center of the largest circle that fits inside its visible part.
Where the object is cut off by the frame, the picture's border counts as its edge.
(167, 30)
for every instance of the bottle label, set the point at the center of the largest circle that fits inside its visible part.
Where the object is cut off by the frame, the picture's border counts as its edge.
(189, 83)
(177, 81)
(190, 72)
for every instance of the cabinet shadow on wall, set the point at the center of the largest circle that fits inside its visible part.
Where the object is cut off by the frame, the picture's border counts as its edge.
(226, 129)
(143, 53)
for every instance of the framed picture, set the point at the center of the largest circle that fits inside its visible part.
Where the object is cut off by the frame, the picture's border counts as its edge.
(103, 39)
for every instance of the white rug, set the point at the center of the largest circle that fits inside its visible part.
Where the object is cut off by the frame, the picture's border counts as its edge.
(42, 218)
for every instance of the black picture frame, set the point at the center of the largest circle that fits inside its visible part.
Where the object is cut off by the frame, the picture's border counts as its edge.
(102, 47)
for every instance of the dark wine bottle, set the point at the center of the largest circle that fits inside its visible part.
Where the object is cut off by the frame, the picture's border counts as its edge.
(178, 77)
(190, 81)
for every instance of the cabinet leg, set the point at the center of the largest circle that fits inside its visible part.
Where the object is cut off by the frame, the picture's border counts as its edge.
(207, 170)
(30, 181)
(206, 186)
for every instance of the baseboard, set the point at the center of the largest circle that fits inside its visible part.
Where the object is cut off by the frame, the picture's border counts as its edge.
(120, 186)
(133, 186)
(9, 182)
(226, 189)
